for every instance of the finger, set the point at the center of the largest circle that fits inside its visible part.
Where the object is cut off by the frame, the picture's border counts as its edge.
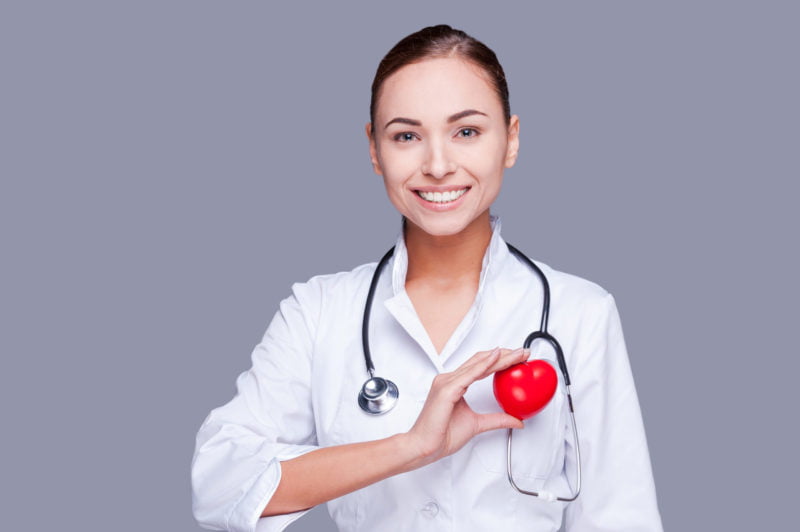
(498, 420)
(506, 360)
(479, 359)
(509, 359)
(478, 367)
(461, 378)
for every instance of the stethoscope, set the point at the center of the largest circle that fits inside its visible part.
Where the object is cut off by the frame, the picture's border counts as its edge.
(379, 395)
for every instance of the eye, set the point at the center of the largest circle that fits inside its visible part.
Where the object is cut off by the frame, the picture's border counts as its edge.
(405, 136)
(467, 132)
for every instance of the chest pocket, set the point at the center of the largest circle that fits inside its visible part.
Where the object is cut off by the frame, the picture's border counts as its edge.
(352, 424)
(535, 447)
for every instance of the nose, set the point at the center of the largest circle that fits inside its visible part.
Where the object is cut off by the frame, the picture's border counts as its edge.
(438, 162)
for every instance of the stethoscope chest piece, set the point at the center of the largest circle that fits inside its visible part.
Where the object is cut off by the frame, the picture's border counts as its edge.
(377, 396)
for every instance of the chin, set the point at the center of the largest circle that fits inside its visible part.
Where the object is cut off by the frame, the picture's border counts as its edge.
(441, 227)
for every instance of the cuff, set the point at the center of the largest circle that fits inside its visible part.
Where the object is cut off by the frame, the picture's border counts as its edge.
(246, 516)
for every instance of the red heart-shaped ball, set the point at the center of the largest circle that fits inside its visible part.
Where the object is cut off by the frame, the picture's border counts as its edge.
(525, 388)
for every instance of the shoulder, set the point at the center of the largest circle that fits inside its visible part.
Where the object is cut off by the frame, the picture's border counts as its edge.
(589, 309)
(339, 286)
(326, 295)
(578, 305)
(570, 288)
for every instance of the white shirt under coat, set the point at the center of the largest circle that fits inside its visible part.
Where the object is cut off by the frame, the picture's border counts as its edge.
(301, 394)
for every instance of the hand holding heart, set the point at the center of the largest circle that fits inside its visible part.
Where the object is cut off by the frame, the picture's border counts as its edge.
(446, 422)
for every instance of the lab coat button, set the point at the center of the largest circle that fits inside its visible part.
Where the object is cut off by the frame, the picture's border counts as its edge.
(431, 509)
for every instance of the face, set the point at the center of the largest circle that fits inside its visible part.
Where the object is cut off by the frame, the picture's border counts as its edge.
(441, 143)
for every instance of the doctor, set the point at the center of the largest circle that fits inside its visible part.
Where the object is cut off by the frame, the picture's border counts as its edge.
(449, 310)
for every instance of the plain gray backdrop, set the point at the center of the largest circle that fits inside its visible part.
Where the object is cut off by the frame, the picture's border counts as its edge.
(169, 168)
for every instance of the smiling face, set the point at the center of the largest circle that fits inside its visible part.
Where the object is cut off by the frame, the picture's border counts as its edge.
(441, 144)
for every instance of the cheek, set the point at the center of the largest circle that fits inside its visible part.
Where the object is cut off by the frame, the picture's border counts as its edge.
(396, 173)
(398, 166)
(486, 166)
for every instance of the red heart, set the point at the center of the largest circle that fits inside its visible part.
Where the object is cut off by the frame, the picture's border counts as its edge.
(525, 388)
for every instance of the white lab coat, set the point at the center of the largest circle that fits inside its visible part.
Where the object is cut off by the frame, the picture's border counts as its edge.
(301, 394)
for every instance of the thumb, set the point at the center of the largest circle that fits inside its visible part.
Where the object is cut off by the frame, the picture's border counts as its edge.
(498, 420)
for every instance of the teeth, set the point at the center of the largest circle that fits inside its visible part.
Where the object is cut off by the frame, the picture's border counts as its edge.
(442, 197)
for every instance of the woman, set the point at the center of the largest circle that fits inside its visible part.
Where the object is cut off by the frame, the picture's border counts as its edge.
(441, 135)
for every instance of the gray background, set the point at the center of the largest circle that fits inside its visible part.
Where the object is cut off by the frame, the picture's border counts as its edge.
(170, 168)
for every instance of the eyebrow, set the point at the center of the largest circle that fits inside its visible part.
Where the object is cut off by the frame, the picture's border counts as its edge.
(450, 119)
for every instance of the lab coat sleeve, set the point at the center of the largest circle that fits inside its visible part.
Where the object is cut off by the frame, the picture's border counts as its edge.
(618, 492)
(236, 463)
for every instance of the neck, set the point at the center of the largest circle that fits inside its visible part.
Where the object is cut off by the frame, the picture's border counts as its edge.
(451, 258)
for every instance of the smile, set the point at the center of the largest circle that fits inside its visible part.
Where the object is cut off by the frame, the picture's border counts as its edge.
(442, 197)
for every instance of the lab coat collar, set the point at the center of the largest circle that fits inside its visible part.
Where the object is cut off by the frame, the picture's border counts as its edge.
(401, 307)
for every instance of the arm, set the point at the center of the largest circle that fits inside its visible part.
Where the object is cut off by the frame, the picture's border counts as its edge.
(331, 472)
(257, 456)
(236, 463)
(445, 425)
(618, 492)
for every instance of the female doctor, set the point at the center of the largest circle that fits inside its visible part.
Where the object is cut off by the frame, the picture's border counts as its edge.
(450, 308)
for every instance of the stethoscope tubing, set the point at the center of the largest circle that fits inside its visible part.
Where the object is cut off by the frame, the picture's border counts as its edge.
(368, 308)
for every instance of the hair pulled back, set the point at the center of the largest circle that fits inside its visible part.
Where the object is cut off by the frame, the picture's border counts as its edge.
(437, 42)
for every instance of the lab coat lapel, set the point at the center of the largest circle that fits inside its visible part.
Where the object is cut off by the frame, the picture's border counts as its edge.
(402, 309)
(494, 255)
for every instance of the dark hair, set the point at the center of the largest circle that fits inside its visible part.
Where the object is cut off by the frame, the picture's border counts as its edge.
(441, 41)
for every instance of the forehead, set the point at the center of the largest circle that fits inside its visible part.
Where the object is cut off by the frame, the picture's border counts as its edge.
(437, 88)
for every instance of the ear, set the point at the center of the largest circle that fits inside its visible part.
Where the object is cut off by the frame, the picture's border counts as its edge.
(373, 150)
(513, 141)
